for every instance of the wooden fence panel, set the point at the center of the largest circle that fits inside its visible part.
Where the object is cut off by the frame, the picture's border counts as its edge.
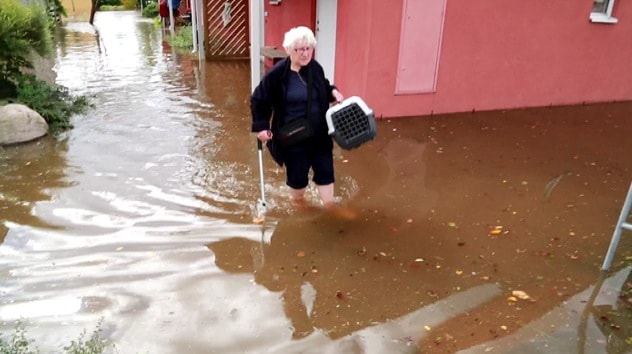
(226, 24)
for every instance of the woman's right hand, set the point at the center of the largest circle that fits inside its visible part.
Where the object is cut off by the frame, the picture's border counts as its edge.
(264, 135)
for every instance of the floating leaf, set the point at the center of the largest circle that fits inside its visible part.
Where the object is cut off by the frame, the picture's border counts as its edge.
(496, 230)
(520, 294)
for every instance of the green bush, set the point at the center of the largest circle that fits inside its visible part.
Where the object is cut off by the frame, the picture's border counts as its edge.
(111, 8)
(182, 39)
(151, 10)
(23, 30)
(93, 345)
(20, 344)
(129, 4)
(55, 11)
(53, 103)
(109, 3)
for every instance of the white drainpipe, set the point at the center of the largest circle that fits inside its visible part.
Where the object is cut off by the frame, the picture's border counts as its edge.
(256, 41)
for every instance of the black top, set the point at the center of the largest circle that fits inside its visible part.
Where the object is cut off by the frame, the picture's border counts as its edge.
(296, 100)
(278, 95)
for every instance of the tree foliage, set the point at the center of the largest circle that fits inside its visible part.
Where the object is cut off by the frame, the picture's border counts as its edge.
(24, 29)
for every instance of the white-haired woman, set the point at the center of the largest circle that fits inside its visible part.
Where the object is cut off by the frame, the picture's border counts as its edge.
(281, 98)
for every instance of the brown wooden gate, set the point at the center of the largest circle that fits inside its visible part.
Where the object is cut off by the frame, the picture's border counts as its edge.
(226, 29)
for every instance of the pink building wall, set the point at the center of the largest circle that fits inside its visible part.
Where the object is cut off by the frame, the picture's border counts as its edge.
(280, 18)
(494, 54)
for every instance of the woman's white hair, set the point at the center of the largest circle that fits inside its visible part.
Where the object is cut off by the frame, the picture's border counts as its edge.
(298, 34)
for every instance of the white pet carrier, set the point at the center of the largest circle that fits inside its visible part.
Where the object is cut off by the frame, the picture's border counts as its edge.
(351, 123)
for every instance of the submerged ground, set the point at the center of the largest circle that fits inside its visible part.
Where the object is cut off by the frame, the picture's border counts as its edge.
(475, 232)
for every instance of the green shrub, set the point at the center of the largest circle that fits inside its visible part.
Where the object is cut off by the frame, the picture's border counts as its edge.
(111, 8)
(93, 345)
(23, 29)
(182, 39)
(20, 344)
(129, 4)
(109, 3)
(53, 103)
(151, 10)
(55, 11)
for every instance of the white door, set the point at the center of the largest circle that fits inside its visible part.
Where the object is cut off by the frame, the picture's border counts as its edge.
(326, 14)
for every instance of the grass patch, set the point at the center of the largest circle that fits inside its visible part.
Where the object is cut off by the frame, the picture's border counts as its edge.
(182, 38)
(112, 8)
(19, 343)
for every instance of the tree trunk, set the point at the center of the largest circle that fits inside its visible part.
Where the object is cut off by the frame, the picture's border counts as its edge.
(93, 10)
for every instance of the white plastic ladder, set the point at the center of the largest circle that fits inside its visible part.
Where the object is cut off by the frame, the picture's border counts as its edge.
(621, 225)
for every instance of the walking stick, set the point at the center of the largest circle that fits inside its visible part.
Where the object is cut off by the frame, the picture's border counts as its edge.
(261, 203)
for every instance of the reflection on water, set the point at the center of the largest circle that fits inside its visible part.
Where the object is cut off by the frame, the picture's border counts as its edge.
(24, 182)
(142, 215)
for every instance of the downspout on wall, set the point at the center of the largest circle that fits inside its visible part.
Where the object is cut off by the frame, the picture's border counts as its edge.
(256, 41)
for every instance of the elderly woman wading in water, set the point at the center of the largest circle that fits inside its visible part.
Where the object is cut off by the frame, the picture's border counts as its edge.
(288, 114)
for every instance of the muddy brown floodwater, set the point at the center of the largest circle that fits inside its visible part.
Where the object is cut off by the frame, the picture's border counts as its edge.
(477, 232)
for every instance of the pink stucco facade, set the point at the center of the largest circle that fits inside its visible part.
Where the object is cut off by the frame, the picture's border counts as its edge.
(492, 54)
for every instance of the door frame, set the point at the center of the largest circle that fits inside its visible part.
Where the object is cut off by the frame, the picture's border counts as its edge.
(325, 31)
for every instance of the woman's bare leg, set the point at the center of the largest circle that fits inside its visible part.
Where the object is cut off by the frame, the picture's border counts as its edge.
(298, 196)
(326, 193)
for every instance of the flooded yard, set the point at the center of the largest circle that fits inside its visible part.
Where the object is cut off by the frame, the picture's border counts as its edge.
(475, 232)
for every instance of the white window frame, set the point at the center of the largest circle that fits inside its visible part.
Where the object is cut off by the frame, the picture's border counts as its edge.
(604, 16)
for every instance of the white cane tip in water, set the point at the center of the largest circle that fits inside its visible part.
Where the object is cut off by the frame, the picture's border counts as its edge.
(259, 219)
(260, 213)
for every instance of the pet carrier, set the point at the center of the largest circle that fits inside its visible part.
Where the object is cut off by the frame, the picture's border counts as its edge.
(351, 123)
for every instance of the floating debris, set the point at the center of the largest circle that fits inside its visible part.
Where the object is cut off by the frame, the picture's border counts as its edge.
(548, 188)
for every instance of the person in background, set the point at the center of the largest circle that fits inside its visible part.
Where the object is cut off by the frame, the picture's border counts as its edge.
(280, 98)
(163, 10)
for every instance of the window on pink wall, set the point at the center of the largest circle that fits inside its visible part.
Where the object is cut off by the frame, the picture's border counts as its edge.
(602, 11)
(419, 46)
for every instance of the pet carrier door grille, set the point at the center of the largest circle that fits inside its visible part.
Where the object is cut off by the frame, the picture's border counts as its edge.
(351, 123)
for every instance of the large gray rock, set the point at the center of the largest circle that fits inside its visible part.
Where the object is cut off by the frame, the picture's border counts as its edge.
(19, 124)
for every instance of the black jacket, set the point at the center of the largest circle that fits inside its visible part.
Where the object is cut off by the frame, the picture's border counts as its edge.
(267, 101)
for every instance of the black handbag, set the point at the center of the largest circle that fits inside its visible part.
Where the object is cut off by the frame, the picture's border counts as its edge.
(294, 132)
(298, 130)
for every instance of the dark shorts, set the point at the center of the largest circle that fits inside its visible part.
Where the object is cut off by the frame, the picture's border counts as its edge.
(298, 161)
